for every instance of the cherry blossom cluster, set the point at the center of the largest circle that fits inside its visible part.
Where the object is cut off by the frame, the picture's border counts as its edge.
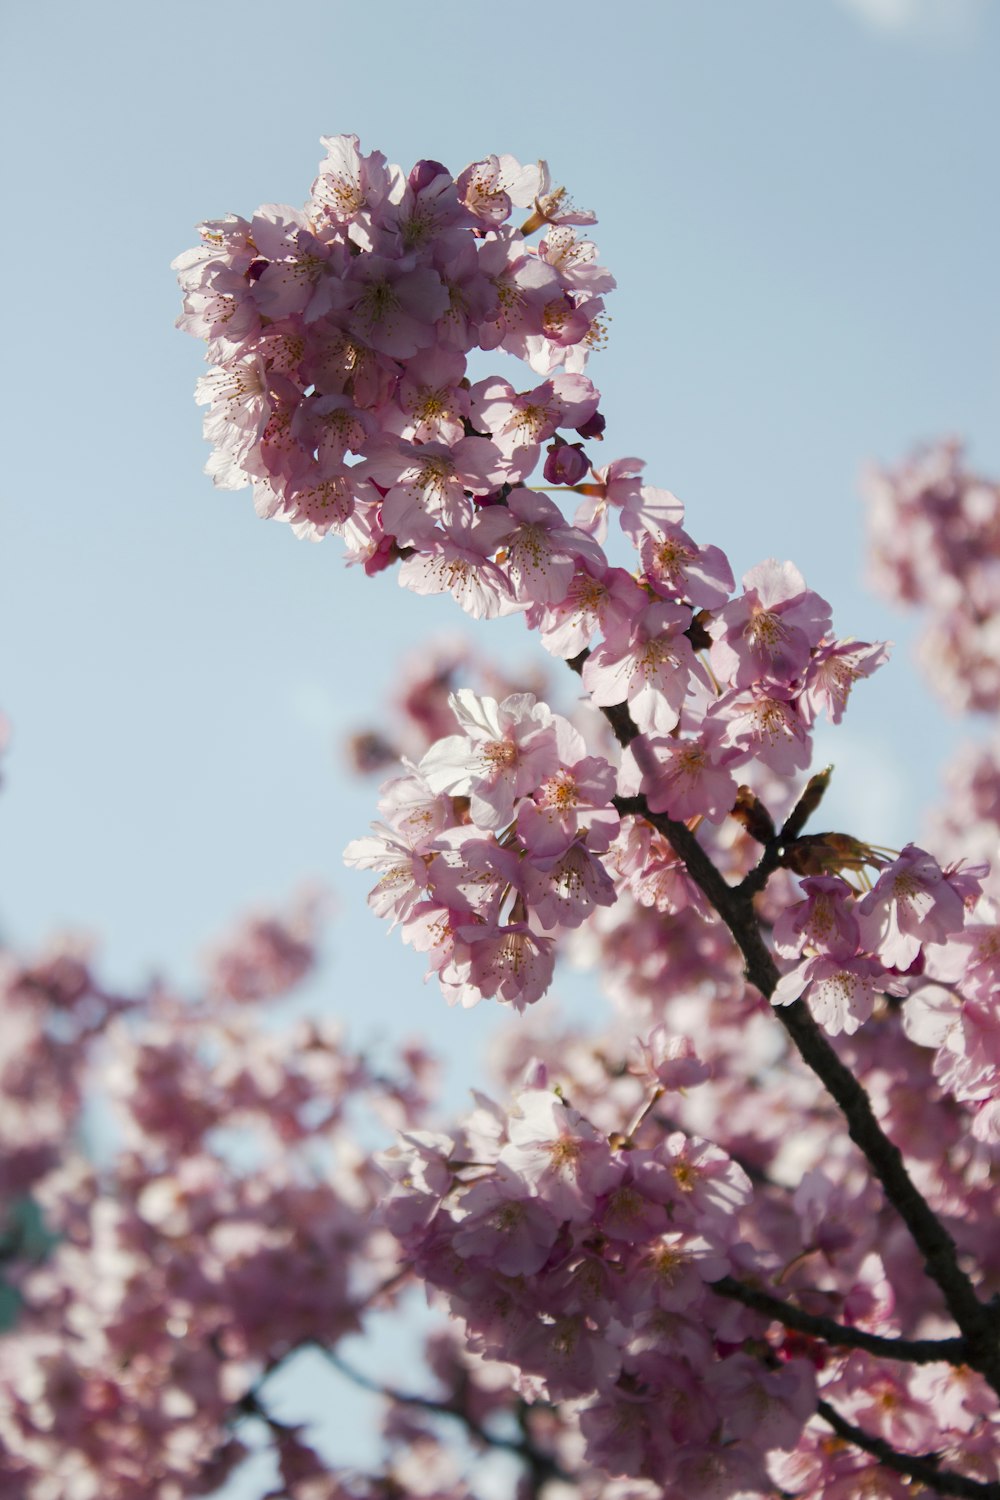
(935, 543)
(53, 1010)
(825, 1239)
(852, 950)
(492, 844)
(547, 808)
(721, 689)
(587, 1262)
(664, 1289)
(594, 1247)
(513, 818)
(339, 338)
(229, 1224)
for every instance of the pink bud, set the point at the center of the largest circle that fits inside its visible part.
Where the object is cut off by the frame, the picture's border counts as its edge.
(385, 554)
(566, 463)
(593, 427)
(423, 173)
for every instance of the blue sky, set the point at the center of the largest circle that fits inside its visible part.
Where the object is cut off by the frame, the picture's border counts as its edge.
(799, 203)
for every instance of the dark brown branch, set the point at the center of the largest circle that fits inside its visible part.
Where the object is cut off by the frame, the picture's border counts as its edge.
(925, 1469)
(913, 1351)
(793, 825)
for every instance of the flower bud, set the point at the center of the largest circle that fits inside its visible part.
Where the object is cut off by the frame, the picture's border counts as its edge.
(566, 463)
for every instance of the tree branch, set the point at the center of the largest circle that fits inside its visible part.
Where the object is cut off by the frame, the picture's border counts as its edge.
(770, 860)
(925, 1469)
(839, 1335)
(541, 1466)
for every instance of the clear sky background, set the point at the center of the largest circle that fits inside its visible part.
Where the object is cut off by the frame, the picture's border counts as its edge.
(799, 200)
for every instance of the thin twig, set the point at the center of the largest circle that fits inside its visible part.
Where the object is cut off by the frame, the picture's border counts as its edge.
(793, 825)
(539, 1463)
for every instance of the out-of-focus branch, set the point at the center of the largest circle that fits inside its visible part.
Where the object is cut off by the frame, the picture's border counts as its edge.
(540, 1465)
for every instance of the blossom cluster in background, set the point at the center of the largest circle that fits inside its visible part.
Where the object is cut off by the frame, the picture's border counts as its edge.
(935, 544)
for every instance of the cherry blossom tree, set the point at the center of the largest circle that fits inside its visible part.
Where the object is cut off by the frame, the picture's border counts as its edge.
(740, 1241)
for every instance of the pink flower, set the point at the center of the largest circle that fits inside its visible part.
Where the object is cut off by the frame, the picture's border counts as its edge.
(418, 1169)
(700, 1184)
(403, 874)
(490, 188)
(563, 1158)
(506, 752)
(671, 1274)
(617, 1429)
(834, 669)
(604, 600)
(841, 991)
(684, 778)
(433, 403)
(505, 1227)
(511, 963)
(237, 395)
(351, 187)
(331, 427)
(393, 305)
(617, 483)
(968, 1059)
(521, 422)
(628, 1214)
(575, 260)
(650, 666)
(770, 630)
(553, 205)
(677, 568)
(300, 271)
(911, 903)
(970, 959)
(542, 552)
(522, 285)
(562, 890)
(313, 504)
(575, 797)
(825, 920)
(427, 483)
(458, 562)
(669, 1060)
(763, 722)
